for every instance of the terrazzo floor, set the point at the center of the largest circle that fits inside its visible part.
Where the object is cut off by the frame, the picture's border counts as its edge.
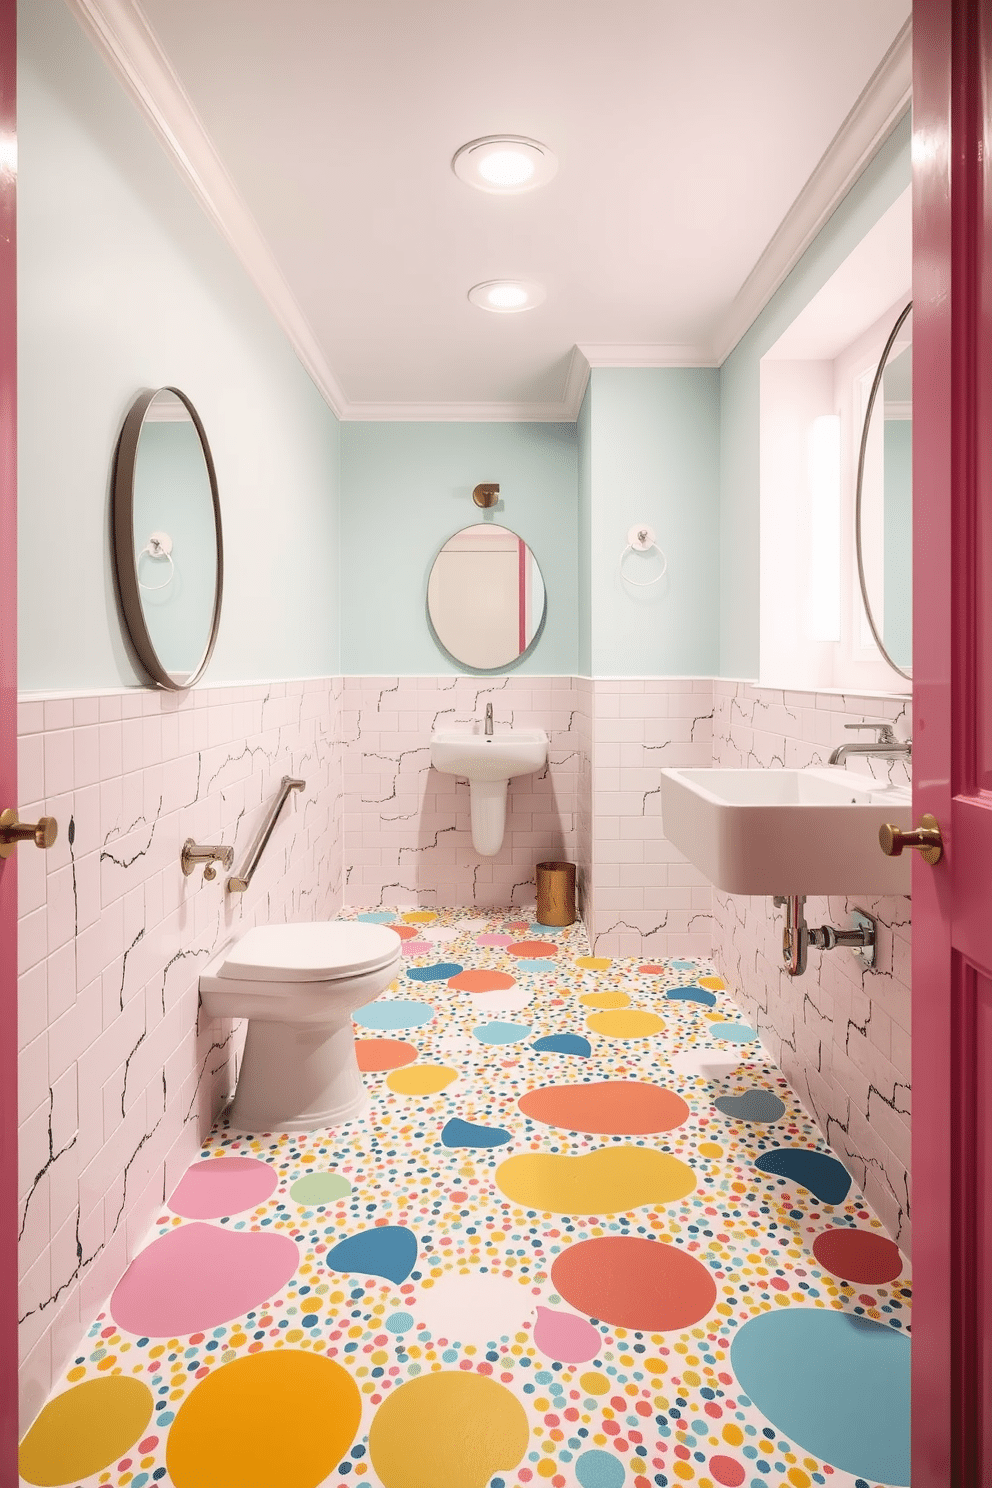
(585, 1236)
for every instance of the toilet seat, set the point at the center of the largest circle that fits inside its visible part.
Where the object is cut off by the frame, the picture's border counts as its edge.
(315, 951)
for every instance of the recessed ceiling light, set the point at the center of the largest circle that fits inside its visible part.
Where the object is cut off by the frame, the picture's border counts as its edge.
(506, 296)
(504, 163)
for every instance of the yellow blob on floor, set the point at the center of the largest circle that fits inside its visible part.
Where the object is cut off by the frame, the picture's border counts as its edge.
(418, 917)
(594, 963)
(713, 984)
(447, 1430)
(594, 1384)
(420, 1079)
(85, 1429)
(733, 1435)
(608, 1181)
(711, 1149)
(606, 999)
(252, 1422)
(626, 1023)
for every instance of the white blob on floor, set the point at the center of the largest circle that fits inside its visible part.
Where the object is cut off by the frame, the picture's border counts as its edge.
(475, 1309)
(709, 1064)
(508, 1000)
(472, 925)
(440, 934)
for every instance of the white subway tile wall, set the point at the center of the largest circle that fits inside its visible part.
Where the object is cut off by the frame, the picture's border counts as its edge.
(119, 1077)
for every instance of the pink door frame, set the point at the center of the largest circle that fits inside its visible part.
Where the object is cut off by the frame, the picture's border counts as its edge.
(8, 739)
(952, 756)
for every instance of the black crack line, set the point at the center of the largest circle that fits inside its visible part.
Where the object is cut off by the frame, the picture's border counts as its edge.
(127, 1170)
(702, 914)
(493, 687)
(428, 846)
(824, 1017)
(80, 1266)
(71, 834)
(527, 883)
(140, 936)
(760, 765)
(217, 1044)
(127, 1068)
(52, 1158)
(623, 925)
(172, 961)
(382, 693)
(128, 862)
(700, 718)
(475, 882)
(646, 794)
(404, 888)
(199, 775)
(249, 752)
(892, 1104)
(380, 800)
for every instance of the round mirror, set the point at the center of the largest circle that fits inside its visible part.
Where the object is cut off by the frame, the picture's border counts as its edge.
(168, 553)
(883, 522)
(485, 598)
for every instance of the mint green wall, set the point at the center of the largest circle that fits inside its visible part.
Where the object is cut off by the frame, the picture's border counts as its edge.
(898, 528)
(654, 457)
(406, 488)
(584, 607)
(124, 284)
(888, 175)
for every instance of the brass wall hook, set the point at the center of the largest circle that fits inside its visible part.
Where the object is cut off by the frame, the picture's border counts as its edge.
(486, 495)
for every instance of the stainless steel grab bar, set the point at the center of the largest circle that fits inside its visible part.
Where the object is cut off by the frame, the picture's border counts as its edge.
(238, 885)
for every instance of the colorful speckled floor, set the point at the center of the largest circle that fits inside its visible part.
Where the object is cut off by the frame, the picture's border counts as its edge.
(586, 1235)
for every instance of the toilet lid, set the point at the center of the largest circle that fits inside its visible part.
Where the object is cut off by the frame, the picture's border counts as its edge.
(319, 951)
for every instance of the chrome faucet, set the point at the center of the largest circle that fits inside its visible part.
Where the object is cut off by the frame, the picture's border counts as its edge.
(194, 853)
(886, 745)
(489, 721)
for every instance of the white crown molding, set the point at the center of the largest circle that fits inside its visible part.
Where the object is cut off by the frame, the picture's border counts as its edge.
(462, 413)
(645, 354)
(876, 113)
(128, 43)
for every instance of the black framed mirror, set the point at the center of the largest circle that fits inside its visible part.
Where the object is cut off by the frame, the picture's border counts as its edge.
(486, 600)
(166, 538)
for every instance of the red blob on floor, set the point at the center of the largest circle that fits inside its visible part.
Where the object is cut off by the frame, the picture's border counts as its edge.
(481, 981)
(383, 1054)
(532, 948)
(634, 1283)
(406, 932)
(650, 969)
(727, 1472)
(858, 1255)
(618, 1108)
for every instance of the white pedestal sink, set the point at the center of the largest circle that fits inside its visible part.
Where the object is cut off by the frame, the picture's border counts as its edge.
(489, 762)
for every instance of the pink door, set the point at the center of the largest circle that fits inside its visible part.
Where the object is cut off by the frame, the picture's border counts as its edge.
(8, 747)
(952, 757)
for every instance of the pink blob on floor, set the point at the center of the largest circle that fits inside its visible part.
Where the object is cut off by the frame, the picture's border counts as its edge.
(197, 1276)
(223, 1185)
(565, 1337)
(417, 947)
(494, 940)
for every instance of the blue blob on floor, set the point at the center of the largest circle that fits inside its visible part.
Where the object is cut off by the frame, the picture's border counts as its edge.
(599, 1470)
(399, 1322)
(386, 1250)
(537, 929)
(563, 1043)
(827, 1179)
(501, 1033)
(535, 966)
(439, 972)
(753, 1105)
(843, 1397)
(691, 994)
(458, 1133)
(402, 1013)
(682, 965)
(733, 1033)
(377, 917)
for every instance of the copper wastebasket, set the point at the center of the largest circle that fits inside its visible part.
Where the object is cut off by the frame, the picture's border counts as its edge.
(555, 894)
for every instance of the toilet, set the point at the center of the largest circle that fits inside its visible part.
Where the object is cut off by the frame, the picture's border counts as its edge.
(298, 986)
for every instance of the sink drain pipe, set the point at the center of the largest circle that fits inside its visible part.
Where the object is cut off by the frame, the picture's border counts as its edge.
(797, 936)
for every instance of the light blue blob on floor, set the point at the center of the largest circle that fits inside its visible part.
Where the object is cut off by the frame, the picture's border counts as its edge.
(844, 1395)
(439, 972)
(399, 1322)
(691, 994)
(682, 965)
(827, 1179)
(753, 1105)
(459, 1133)
(563, 1043)
(501, 1033)
(377, 917)
(537, 929)
(402, 1013)
(535, 966)
(599, 1470)
(733, 1033)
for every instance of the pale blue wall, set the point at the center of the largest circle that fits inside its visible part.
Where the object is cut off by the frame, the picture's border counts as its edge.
(123, 284)
(584, 607)
(872, 194)
(654, 442)
(898, 526)
(406, 488)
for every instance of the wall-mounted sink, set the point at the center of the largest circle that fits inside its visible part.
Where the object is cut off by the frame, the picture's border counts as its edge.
(787, 831)
(489, 762)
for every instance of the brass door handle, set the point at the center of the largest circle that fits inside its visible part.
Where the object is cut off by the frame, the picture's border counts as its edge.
(42, 833)
(926, 837)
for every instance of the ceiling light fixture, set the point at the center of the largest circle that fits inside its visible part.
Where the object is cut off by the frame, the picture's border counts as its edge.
(504, 163)
(506, 296)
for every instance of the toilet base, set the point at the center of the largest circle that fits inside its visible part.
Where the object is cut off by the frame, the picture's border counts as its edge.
(298, 1077)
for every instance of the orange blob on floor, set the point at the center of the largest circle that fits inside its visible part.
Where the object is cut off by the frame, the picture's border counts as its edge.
(383, 1054)
(481, 981)
(531, 949)
(618, 1108)
(634, 1283)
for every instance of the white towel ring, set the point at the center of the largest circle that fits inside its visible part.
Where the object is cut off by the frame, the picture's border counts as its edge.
(640, 539)
(159, 545)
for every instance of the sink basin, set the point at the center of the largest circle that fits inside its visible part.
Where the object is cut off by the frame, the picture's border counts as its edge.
(489, 763)
(787, 831)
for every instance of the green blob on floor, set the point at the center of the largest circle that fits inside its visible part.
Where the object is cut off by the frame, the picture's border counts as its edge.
(320, 1188)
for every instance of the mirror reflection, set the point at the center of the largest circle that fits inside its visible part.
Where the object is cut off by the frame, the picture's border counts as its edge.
(486, 600)
(885, 504)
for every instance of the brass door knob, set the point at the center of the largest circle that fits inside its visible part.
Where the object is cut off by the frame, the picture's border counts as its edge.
(42, 833)
(926, 838)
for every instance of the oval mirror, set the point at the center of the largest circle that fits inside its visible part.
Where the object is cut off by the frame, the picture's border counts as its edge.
(883, 519)
(486, 601)
(168, 550)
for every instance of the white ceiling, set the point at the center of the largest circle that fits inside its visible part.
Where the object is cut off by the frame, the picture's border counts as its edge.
(685, 131)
